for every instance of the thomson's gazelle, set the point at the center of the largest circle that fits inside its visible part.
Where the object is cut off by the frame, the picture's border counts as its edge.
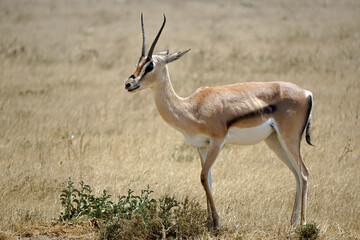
(243, 113)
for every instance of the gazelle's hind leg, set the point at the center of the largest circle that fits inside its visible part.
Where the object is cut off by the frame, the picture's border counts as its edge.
(290, 155)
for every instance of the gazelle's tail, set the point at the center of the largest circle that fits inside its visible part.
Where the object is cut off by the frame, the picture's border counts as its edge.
(307, 125)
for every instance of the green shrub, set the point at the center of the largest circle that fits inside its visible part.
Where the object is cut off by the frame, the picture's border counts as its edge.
(167, 218)
(134, 216)
(309, 231)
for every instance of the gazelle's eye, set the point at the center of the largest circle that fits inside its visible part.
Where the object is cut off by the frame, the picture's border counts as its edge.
(149, 67)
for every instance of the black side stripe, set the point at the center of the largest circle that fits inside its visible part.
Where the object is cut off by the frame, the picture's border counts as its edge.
(266, 110)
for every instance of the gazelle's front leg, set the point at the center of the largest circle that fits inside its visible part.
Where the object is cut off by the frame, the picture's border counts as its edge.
(212, 153)
(203, 151)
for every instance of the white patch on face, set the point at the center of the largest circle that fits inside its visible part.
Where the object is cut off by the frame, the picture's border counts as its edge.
(250, 136)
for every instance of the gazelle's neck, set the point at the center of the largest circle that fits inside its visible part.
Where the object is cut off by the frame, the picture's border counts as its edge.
(171, 107)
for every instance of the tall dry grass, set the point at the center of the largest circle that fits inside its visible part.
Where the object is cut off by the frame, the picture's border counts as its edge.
(62, 70)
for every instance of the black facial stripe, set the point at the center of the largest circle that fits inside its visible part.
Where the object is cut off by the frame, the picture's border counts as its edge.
(132, 76)
(149, 67)
(266, 110)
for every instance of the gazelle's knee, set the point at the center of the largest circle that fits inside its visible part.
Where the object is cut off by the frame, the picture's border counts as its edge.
(305, 176)
(304, 170)
(203, 178)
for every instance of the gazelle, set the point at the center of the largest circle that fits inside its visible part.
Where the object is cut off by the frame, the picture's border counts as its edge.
(244, 113)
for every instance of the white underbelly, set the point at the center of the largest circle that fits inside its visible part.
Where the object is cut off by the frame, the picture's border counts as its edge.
(249, 136)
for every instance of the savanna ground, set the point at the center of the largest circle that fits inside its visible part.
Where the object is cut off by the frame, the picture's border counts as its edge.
(62, 70)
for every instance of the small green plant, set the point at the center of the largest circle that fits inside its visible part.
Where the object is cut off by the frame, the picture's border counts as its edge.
(309, 231)
(68, 200)
(80, 202)
(71, 196)
(131, 205)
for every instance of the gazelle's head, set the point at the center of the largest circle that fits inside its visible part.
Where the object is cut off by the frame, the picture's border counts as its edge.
(149, 68)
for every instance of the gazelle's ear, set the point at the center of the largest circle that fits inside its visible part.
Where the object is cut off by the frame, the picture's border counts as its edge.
(166, 52)
(175, 56)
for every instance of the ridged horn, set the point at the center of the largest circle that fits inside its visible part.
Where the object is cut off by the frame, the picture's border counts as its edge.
(156, 39)
(143, 36)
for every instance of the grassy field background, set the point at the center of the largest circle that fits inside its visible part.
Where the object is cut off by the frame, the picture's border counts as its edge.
(63, 65)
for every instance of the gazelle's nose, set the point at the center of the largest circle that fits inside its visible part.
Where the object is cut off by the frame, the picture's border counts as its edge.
(127, 85)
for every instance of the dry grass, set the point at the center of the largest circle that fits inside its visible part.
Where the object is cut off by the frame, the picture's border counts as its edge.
(62, 70)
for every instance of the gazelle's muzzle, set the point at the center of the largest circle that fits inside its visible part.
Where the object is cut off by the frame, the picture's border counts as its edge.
(131, 84)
